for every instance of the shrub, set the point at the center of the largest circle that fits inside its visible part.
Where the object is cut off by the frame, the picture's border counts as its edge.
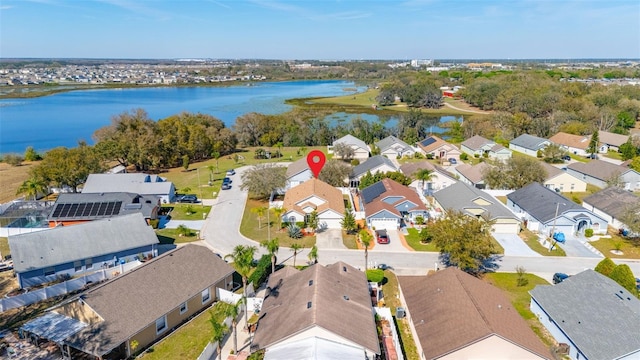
(261, 272)
(464, 156)
(430, 156)
(31, 155)
(476, 156)
(624, 277)
(605, 267)
(375, 275)
(539, 154)
(588, 232)
(577, 200)
(418, 156)
(419, 220)
(522, 280)
(154, 223)
(294, 231)
(13, 159)
(355, 162)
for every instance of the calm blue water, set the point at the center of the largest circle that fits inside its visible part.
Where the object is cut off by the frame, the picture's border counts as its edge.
(64, 119)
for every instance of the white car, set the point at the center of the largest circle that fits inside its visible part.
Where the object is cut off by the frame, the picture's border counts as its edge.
(231, 172)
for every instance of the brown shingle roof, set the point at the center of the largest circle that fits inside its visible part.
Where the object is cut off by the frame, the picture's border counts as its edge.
(612, 139)
(551, 170)
(452, 309)
(395, 189)
(286, 311)
(475, 173)
(574, 141)
(612, 200)
(436, 144)
(599, 169)
(410, 169)
(314, 187)
(134, 300)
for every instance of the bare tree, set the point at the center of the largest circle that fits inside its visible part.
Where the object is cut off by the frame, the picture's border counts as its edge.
(344, 151)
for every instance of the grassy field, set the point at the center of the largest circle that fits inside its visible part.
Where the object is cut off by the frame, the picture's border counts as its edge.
(413, 239)
(172, 236)
(630, 247)
(11, 177)
(520, 298)
(531, 240)
(186, 211)
(391, 300)
(189, 340)
(259, 230)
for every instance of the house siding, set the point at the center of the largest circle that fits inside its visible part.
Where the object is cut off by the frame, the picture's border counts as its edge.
(492, 347)
(36, 276)
(299, 179)
(566, 183)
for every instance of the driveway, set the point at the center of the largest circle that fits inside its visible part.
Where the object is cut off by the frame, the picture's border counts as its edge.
(513, 245)
(395, 244)
(330, 239)
(575, 247)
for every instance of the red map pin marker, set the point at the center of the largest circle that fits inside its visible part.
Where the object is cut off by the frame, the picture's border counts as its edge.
(316, 160)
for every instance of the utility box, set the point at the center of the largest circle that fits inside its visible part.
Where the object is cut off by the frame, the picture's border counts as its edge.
(400, 313)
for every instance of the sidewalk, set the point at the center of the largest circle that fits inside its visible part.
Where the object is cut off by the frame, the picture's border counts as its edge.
(244, 338)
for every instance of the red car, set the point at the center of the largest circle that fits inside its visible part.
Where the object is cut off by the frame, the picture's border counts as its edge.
(382, 237)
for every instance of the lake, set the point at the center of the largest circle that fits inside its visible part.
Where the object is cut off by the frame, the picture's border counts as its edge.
(63, 119)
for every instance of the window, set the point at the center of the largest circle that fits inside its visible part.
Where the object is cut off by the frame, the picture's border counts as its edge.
(49, 271)
(161, 325)
(183, 308)
(77, 265)
(206, 295)
(88, 264)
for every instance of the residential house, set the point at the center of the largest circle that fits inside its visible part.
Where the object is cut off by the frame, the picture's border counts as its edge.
(137, 183)
(133, 310)
(562, 181)
(374, 164)
(314, 195)
(602, 174)
(297, 173)
(78, 208)
(360, 148)
(44, 256)
(475, 202)
(544, 210)
(477, 146)
(387, 203)
(393, 148)
(528, 144)
(472, 174)
(440, 178)
(597, 318)
(575, 144)
(612, 141)
(320, 304)
(453, 315)
(611, 203)
(438, 148)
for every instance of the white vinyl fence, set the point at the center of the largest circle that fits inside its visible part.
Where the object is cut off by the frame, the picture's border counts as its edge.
(65, 287)
(210, 351)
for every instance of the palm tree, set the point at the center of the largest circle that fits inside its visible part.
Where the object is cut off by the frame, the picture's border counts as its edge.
(424, 175)
(242, 257)
(295, 247)
(219, 331)
(232, 311)
(278, 211)
(313, 254)
(211, 167)
(272, 247)
(260, 212)
(365, 238)
(32, 187)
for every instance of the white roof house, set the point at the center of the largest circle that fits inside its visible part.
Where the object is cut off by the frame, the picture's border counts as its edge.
(137, 183)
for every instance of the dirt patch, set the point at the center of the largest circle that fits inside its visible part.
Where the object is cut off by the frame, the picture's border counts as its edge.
(12, 177)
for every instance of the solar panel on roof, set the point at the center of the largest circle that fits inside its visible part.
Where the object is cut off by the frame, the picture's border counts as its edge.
(118, 207)
(94, 209)
(428, 141)
(87, 209)
(103, 209)
(80, 210)
(373, 191)
(57, 210)
(65, 210)
(72, 210)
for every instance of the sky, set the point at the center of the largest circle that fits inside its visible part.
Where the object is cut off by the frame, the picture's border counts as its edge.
(320, 29)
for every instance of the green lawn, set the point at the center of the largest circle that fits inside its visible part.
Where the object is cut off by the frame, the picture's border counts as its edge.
(196, 180)
(188, 341)
(186, 211)
(614, 155)
(577, 197)
(531, 240)
(172, 236)
(630, 247)
(349, 240)
(4, 246)
(413, 240)
(391, 300)
(258, 230)
(520, 298)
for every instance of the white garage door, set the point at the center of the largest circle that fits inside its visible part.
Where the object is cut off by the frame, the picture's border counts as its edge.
(331, 223)
(506, 228)
(386, 224)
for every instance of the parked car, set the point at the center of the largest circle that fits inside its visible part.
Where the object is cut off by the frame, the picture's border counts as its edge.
(384, 267)
(559, 277)
(226, 180)
(566, 158)
(638, 284)
(231, 172)
(453, 161)
(226, 186)
(382, 237)
(188, 199)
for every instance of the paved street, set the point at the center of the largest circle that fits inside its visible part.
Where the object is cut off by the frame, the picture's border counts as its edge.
(221, 232)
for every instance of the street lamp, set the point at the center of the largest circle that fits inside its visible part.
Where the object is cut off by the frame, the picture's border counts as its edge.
(553, 228)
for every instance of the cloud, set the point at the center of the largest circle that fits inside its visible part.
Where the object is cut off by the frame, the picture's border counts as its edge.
(137, 7)
(348, 15)
(6, 7)
(220, 4)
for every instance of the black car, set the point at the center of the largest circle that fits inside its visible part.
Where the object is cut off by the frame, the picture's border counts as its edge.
(559, 277)
(566, 158)
(188, 199)
(226, 180)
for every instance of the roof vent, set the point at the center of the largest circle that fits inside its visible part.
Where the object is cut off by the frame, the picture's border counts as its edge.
(309, 305)
(346, 297)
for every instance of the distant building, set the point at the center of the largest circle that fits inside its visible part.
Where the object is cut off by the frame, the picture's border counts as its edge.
(137, 183)
(528, 144)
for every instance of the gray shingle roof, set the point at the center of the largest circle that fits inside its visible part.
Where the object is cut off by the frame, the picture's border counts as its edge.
(612, 200)
(335, 298)
(596, 313)
(371, 163)
(529, 142)
(130, 203)
(540, 202)
(137, 183)
(599, 169)
(132, 301)
(60, 245)
(391, 140)
(351, 140)
(297, 167)
(476, 142)
(460, 196)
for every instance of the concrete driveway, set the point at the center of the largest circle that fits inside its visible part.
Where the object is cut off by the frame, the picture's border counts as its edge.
(395, 244)
(330, 239)
(513, 245)
(575, 247)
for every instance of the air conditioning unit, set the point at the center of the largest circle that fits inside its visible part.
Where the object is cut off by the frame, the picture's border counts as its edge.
(400, 313)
